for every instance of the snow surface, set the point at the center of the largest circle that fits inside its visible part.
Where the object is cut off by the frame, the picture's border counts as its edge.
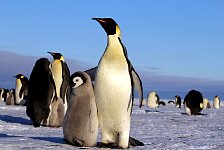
(166, 127)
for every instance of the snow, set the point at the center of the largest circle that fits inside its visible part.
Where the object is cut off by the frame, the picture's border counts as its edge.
(166, 127)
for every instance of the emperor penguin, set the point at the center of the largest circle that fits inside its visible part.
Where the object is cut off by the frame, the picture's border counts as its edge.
(153, 100)
(115, 79)
(80, 125)
(2, 94)
(206, 103)
(21, 89)
(178, 101)
(41, 93)
(193, 102)
(10, 98)
(216, 102)
(61, 74)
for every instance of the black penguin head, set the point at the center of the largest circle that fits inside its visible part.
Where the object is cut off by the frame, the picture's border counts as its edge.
(19, 76)
(109, 25)
(57, 56)
(77, 79)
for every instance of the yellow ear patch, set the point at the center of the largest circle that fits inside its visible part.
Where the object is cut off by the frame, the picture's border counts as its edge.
(22, 77)
(62, 58)
(201, 105)
(118, 31)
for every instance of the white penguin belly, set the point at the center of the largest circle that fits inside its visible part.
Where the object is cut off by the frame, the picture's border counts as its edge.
(113, 93)
(216, 103)
(56, 69)
(17, 91)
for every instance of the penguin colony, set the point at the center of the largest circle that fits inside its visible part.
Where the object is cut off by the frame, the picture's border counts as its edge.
(54, 98)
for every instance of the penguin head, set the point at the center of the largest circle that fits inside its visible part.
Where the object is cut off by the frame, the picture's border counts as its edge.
(57, 56)
(19, 76)
(77, 79)
(109, 25)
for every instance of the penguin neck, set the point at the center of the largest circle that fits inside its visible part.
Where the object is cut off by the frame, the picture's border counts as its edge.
(114, 46)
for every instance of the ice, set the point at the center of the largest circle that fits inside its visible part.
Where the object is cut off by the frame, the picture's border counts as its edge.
(166, 127)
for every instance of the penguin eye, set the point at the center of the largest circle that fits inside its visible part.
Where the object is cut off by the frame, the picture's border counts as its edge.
(77, 80)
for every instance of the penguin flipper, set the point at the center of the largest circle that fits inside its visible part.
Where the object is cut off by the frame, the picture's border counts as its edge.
(138, 85)
(65, 83)
(91, 72)
(21, 91)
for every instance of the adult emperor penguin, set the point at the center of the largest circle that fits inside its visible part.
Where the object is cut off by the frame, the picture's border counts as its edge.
(80, 125)
(114, 86)
(41, 93)
(61, 74)
(193, 102)
(216, 102)
(178, 101)
(153, 100)
(2, 94)
(21, 89)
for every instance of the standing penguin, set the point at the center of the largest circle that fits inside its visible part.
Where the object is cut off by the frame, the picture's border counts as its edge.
(61, 74)
(2, 94)
(10, 98)
(178, 101)
(216, 102)
(80, 126)
(21, 89)
(153, 100)
(114, 86)
(193, 102)
(41, 93)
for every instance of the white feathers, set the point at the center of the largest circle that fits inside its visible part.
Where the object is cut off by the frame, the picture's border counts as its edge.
(77, 81)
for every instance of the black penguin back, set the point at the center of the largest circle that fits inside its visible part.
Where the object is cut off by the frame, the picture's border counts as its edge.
(40, 91)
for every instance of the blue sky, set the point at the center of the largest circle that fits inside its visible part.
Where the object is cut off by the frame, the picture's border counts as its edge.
(170, 41)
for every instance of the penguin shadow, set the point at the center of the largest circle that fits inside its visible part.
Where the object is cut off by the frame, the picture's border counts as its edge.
(151, 111)
(57, 140)
(199, 114)
(12, 119)
(2, 135)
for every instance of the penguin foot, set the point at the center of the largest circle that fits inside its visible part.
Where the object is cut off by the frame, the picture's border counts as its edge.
(134, 142)
(77, 142)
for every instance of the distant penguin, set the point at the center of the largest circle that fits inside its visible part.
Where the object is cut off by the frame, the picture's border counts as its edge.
(162, 103)
(178, 101)
(193, 102)
(10, 100)
(61, 74)
(153, 101)
(41, 93)
(21, 89)
(2, 94)
(206, 103)
(216, 102)
(171, 102)
(80, 126)
(114, 87)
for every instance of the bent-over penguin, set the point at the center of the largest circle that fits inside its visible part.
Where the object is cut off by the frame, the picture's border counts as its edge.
(41, 93)
(193, 102)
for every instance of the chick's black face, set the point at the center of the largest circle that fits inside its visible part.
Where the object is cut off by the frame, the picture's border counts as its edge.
(108, 24)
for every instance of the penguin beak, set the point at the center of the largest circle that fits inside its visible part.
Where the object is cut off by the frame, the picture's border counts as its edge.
(100, 20)
(51, 53)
